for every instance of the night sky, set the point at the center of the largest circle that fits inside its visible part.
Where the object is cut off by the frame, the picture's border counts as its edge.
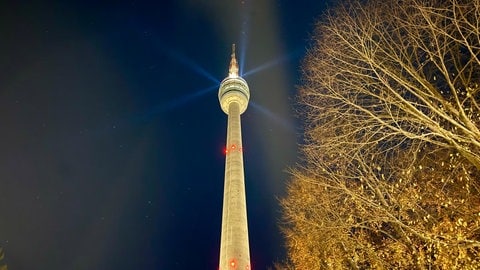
(112, 137)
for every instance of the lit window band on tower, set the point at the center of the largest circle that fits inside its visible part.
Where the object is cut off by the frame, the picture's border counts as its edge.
(234, 248)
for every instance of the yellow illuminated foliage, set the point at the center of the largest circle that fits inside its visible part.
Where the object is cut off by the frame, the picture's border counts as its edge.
(3, 265)
(391, 178)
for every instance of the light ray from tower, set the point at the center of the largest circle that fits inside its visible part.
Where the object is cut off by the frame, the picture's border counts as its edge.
(277, 119)
(165, 107)
(180, 101)
(175, 103)
(274, 62)
(175, 55)
(244, 34)
(192, 65)
(182, 58)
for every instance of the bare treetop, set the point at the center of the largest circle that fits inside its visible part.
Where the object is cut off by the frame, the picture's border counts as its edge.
(391, 101)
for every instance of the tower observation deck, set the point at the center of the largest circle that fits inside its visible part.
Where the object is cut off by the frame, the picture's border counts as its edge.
(234, 248)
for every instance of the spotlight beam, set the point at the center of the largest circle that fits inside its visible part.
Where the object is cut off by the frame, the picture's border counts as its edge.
(269, 114)
(175, 103)
(194, 66)
(177, 56)
(245, 27)
(170, 105)
(274, 62)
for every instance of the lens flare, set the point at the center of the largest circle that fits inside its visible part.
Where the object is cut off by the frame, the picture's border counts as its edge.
(192, 65)
(285, 58)
(180, 101)
(177, 56)
(277, 119)
(244, 31)
(171, 105)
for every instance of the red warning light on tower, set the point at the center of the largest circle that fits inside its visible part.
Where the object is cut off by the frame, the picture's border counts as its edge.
(233, 263)
(232, 148)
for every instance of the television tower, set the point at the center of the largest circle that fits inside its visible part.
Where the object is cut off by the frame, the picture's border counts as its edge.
(234, 249)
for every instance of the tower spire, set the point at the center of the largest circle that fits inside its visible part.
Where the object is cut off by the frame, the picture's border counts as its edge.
(233, 69)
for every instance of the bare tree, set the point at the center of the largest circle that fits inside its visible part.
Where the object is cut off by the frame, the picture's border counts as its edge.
(391, 94)
(398, 71)
(3, 265)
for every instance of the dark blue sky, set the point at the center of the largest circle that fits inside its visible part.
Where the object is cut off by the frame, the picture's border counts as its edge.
(112, 136)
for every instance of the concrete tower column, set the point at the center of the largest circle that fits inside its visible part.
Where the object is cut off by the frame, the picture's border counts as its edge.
(234, 248)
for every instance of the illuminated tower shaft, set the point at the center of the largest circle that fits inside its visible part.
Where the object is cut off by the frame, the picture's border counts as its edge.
(234, 249)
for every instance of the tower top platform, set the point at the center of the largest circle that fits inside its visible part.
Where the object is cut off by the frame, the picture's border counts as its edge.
(233, 88)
